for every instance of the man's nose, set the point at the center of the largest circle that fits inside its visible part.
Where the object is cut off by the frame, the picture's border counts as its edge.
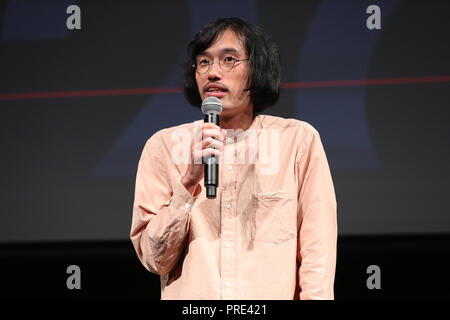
(214, 71)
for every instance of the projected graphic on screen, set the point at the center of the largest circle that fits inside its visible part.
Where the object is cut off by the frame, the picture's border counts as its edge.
(78, 106)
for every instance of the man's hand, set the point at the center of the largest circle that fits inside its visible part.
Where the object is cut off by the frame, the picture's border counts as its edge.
(211, 145)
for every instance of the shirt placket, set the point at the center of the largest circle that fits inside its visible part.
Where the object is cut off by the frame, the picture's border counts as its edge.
(228, 229)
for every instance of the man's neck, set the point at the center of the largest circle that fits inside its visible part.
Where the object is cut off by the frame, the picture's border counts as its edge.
(240, 120)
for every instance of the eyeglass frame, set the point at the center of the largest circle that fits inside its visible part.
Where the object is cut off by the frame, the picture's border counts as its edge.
(220, 65)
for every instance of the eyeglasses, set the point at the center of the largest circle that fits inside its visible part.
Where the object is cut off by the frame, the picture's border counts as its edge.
(226, 62)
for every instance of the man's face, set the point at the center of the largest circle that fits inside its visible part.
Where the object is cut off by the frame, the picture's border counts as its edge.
(227, 85)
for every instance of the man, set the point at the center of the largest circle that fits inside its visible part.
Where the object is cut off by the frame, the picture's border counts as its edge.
(271, 231)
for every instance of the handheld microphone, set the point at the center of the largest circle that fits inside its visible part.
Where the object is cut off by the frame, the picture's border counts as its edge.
(211, 108)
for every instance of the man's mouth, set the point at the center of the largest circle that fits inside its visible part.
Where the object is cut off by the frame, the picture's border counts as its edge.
(215, 90)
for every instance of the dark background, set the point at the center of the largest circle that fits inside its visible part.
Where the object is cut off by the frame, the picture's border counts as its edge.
(72, 127)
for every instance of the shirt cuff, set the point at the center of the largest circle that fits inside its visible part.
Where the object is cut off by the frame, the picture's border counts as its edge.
(182, 199)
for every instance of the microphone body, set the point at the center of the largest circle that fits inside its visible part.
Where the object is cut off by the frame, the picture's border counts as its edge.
(211, 108)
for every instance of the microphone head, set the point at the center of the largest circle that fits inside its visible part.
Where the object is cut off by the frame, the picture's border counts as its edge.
(212, 105)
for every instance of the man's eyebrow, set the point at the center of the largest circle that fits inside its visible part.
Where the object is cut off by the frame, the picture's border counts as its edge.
(224, 50)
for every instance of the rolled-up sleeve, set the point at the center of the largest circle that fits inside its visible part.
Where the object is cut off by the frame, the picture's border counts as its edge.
(317, 238)
(161, 210)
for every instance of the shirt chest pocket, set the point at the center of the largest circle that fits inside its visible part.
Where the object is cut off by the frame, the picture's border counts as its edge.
(275, 216)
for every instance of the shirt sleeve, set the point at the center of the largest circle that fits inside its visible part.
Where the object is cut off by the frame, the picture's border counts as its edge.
(161, 211)
(317, 239)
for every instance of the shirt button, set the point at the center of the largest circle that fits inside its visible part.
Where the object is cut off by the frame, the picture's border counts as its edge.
(230, 167)
(228, 205)
(229, 244)
(187, 205)
(228, 283)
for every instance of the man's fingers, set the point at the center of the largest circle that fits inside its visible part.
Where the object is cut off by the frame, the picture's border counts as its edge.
(212, 143)
(210, 125)
(212, 152)
(216, 133)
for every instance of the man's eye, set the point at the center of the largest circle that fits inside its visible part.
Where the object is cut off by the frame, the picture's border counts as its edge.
(229, 59)
(203, 62)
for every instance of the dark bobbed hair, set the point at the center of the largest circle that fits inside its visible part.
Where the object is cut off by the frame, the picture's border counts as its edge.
(263, 58)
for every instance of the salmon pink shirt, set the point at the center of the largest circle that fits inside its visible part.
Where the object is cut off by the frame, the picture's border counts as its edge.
(270, 233)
